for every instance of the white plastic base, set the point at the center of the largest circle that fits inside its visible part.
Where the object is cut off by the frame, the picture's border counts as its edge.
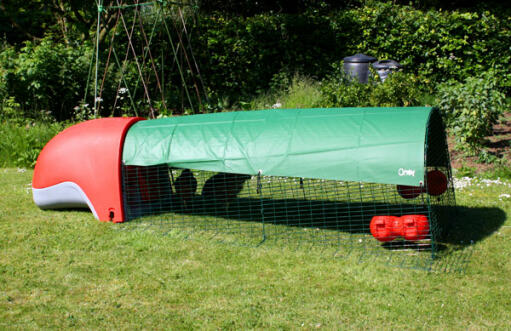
(63, 195)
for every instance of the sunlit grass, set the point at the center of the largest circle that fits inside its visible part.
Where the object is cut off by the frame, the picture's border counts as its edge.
(303, 92)
(63, 269)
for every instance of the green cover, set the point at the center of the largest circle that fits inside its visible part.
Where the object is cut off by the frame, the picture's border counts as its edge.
(379, 145)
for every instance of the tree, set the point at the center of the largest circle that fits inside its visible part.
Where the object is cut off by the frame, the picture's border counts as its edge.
(65, 19)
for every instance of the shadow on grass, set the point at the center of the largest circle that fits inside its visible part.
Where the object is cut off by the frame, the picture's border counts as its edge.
(471, 224)
(458, 225)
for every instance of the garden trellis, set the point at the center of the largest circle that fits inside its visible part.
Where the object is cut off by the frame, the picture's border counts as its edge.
(374, 178)
(143, 33)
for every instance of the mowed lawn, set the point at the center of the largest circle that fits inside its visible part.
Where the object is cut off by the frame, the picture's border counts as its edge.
(63, 269)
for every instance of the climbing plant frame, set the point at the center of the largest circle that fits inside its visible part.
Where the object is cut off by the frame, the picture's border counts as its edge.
(178, 71)
(376, 181)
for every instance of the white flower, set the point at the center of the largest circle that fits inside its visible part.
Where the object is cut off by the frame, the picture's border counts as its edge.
(505, 195)
(489, 182)
(462, 182)
(277, 105)
(123, 90)
(99, 99)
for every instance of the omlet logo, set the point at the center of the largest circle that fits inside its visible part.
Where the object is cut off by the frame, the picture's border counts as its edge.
(406, 172)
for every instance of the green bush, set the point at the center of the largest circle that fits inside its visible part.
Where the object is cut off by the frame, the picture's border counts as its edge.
(10, 110)
(240, 55)
(398, 90)
(436, 45)
(339, 90)
(45, 76)
(471, 108)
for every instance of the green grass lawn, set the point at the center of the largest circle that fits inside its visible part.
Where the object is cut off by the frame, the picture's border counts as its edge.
(65, 269)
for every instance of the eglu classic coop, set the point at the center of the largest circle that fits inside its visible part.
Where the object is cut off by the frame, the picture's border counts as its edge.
(374, 178)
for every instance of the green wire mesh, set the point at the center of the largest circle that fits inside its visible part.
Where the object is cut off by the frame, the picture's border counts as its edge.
(249, 210)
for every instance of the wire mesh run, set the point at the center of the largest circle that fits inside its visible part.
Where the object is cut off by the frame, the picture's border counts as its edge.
(249, 210)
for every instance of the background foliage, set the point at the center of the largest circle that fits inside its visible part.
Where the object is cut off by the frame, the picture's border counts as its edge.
(398, 90)
(21, 144)
(240, 54)
(45, 76)
(251, 51)
(471, 108)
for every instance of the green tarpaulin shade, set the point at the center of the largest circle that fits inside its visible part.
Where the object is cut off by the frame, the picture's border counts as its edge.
(378, 145)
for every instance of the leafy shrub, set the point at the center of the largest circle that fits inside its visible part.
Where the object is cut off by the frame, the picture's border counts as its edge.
(471, 108)
(398, 90)
(437, 45)
(500, 171)
(46, 76)
(240, 55)
(10, 110)
(340, 90)
(465, 171)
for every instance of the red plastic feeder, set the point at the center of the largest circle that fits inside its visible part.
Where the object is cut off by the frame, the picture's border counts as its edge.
(409, 192)
(437, 182)
(410, 227)
(415, 227)
(382, 228)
